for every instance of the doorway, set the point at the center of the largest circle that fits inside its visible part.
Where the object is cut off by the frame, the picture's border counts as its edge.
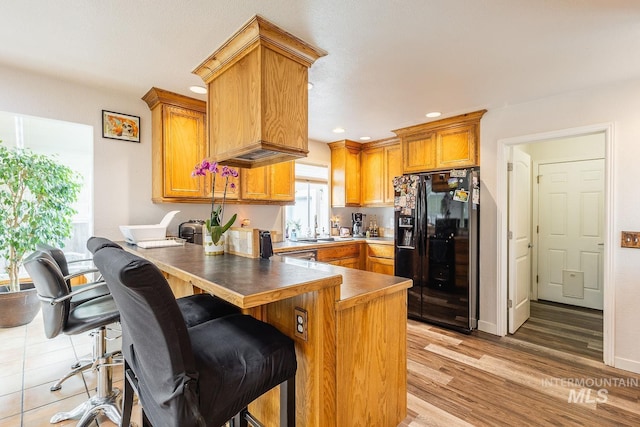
(570, 147)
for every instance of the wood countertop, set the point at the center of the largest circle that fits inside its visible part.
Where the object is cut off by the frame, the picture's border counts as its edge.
(358, 286)
(244, 282)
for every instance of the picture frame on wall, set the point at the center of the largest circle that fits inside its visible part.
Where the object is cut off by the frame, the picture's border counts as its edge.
(120, 126)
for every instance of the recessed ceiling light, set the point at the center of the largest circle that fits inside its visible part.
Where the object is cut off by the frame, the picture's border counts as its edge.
(433, 114)
(365, 138)
(198, 89)
(309, 86)
(338, 130)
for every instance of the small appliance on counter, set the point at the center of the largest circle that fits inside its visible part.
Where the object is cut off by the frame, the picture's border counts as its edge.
(266, 246)
(191, 231)
(140, 233)
(358, 219)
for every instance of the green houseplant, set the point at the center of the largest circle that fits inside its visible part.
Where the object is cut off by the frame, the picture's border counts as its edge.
(36, 197)
(215, 224)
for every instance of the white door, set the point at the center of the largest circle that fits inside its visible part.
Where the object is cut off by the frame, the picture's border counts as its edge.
(570, 236)
(519, 239)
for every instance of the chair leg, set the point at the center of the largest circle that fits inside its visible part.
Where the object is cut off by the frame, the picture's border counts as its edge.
(107, 399)
(127, 398)
(77, 368)
(288, 403)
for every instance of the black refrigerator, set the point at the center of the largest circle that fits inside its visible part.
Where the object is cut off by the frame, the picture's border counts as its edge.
(436, 245)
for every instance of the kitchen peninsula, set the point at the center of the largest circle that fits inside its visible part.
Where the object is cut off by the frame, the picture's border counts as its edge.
(352, 365)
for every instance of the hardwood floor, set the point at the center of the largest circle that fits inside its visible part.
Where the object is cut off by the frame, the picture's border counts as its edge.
(484, 380)
(454, 380)
(563, 327)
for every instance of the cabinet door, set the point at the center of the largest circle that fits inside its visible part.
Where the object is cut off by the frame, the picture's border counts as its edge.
(283, 181)
(380, 265)
(419, 153)
(184, 147)
(274, 182)
(353, 179)
(392, 168)
(457, 147)
(345, 176)
(372, 176)
(255, 183)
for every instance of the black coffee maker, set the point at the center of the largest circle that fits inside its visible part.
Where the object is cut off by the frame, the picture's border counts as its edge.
(357, 218)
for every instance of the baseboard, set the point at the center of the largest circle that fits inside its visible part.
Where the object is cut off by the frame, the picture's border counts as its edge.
(490, 328)
(627, 365)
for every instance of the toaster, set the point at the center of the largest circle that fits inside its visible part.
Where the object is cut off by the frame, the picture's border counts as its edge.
(191, 231)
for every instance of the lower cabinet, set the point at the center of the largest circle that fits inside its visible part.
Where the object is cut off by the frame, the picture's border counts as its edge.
(344, 255)
(380, 258)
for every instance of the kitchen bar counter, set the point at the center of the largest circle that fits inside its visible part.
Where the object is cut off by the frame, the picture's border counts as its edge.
(244, 282)
(355, 329)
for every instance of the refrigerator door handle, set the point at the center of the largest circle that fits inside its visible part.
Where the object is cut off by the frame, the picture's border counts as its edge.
(418, 218)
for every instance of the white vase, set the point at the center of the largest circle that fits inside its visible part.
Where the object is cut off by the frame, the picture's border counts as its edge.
(209, 247)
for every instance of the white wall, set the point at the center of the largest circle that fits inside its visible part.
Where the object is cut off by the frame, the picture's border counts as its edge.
(618, 105)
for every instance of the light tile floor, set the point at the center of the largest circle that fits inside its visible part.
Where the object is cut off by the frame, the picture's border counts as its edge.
(30, 363)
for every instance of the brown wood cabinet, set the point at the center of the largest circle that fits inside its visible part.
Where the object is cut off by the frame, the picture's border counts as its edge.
(345, 173)
(380, 258)
(178, 144)
(345, 255)
(257, 95)
(442, 144)
(273, 183)
(381, 161)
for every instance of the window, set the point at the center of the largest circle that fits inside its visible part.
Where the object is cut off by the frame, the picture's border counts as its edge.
(312, 201)
(72, 143)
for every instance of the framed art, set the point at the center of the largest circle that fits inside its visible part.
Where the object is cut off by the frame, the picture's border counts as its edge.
(120, 126)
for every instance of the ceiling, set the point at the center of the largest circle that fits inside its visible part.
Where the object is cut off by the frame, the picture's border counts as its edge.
(389, 61)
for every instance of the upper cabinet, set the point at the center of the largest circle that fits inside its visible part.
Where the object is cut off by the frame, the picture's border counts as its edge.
(345, 173)
(381, 161)
(442, 144)
(274, 183)
(178, 144)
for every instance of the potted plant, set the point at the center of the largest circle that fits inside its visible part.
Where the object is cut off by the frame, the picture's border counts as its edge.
(212, 239)
(36, 197)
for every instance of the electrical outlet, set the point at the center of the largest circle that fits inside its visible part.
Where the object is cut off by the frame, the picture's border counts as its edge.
(630, 239)
(301, 323)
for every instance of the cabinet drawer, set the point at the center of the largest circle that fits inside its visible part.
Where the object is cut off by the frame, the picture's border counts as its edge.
(348, 251)
(347, 262)
(380, 250)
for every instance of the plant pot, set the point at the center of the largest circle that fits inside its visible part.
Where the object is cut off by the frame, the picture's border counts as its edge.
(210, 248)
(18, 308)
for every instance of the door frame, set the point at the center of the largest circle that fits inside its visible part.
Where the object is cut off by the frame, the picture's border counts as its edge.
(504, 145)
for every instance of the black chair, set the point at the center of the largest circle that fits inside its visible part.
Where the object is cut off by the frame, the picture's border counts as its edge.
(58, 255)
(86, 362)
(60, 316)
(195, 309)
(205, 375)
